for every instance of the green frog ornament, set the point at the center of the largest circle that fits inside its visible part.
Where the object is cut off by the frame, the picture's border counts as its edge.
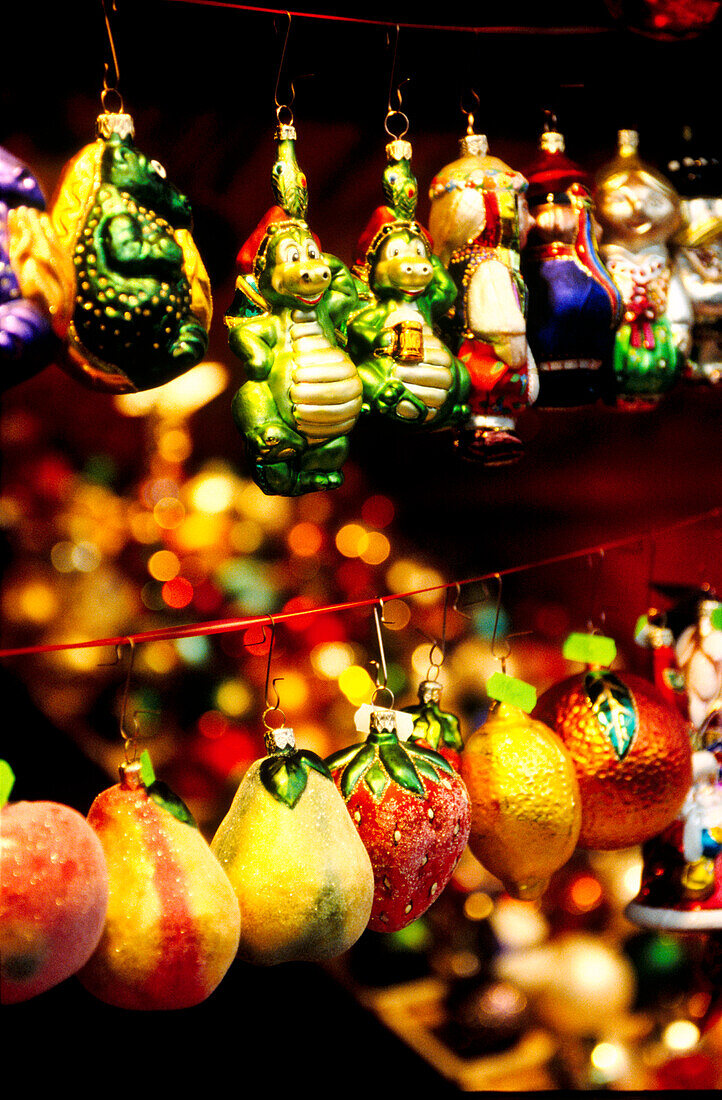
(302, 393)
(408, 373)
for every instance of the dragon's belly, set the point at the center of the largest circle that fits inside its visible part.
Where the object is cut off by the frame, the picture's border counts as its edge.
(430, 379)
(325, 389)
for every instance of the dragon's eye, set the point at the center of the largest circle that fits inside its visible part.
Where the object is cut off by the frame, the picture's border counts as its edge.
(158, 167)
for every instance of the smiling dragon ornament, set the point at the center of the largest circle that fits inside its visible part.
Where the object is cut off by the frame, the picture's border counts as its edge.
(302, 394)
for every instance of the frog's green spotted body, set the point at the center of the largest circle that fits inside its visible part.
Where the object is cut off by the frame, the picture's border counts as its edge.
(142, 294)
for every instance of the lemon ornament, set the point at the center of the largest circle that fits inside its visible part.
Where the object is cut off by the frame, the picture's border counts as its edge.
(525, 802)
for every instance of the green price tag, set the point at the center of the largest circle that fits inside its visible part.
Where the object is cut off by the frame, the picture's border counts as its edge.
(147, 773)
(590, 649)
(7, 781)
(507, 689)
(716, 618)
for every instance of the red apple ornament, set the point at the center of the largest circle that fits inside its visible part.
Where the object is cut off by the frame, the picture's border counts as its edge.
(53, 896)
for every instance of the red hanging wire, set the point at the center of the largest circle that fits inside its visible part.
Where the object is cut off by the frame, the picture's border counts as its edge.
(229, 626)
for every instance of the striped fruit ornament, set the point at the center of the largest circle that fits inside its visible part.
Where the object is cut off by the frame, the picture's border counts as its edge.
(173, 923)
(631, 751)
(411, 810)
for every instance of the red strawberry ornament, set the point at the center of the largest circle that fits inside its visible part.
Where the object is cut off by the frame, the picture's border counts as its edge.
(412, 812)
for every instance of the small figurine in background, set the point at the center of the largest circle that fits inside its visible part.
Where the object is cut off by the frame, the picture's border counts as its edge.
(302, 394)
(699, 656)
(36, 277)
(698, 256)
(479, 223)
(408, 373)
(639, 212)
(574, 305)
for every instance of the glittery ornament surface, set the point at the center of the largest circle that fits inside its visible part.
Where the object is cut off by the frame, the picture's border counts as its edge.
(53, 896)
(302, 876)
(525, 800)
(631, 751)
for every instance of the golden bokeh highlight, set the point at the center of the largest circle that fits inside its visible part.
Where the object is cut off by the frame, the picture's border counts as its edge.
(234, 698)
(163, 565)
(330, 659)
(352, 540)
(160, 657)
(212, 493)
(246, 536)
(169, 513)
(356, 684)
(305, 539)
(377, 548)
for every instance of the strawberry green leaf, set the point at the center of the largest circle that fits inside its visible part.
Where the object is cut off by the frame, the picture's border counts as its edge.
(434, 759)
(613, 706)
(377, 781)
(363, 759)
(435, 726)
(397, 762)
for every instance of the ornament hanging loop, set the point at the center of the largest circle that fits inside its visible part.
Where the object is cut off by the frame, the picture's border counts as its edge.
(469, 111)
(395, 112)
(284, 114)
(380, 665)
(499, 655)
(109, 89)
(271, 707)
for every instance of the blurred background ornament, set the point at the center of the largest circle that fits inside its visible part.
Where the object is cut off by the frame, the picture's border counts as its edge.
(479, 222)
(699, 656)
(665, 19)
(36, 277)
(574, 305)
(697, 176)
(639, 212)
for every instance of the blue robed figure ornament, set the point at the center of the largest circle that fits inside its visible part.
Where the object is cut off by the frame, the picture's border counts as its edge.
(574, 306)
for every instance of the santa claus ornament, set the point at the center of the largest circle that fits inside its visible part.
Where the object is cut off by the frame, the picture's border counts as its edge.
(479, 222)
(301, 393)
(574, 304)
(631, 748)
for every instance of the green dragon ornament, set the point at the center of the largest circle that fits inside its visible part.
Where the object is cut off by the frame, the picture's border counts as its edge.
(142, 305)
(408, 373)
(302, 393)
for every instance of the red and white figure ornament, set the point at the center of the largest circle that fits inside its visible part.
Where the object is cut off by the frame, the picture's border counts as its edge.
(652, 632)
(479, 222)
(699, 656)
(630, 747)
(681, 888)
(411, 809)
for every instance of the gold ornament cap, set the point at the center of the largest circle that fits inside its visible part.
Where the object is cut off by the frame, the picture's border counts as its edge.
(399, 149)
(114, 123)
(280, 739)
(628, 142)
(285, 131)
(474, 145)
(551, 141)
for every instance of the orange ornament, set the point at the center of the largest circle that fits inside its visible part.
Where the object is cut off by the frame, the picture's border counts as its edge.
(631, 751)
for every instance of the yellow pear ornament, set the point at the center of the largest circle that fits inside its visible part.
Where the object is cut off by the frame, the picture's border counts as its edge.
(301, 873)
(525, 801)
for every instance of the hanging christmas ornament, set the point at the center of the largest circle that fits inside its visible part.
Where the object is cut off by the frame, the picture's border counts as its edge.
(699, 656)
(302, 394)
(697, 177)
(301, 874)
(142, 304)
(631, 749)
(408, 373)
(53, 893)
(479, 222)
(574, 305)
(36, 277)
(411, 810)
(436, 729)
(681, 887)
(639, 212)
(172, 926)
(652, 632)
(525, 802)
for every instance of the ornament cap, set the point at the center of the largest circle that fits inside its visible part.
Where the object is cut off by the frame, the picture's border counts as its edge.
(131, 775)
(285, 131)
(280, 739)
(474, 145)
(551, 141)
(399, 149)
(628, 141)
(114, 123)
